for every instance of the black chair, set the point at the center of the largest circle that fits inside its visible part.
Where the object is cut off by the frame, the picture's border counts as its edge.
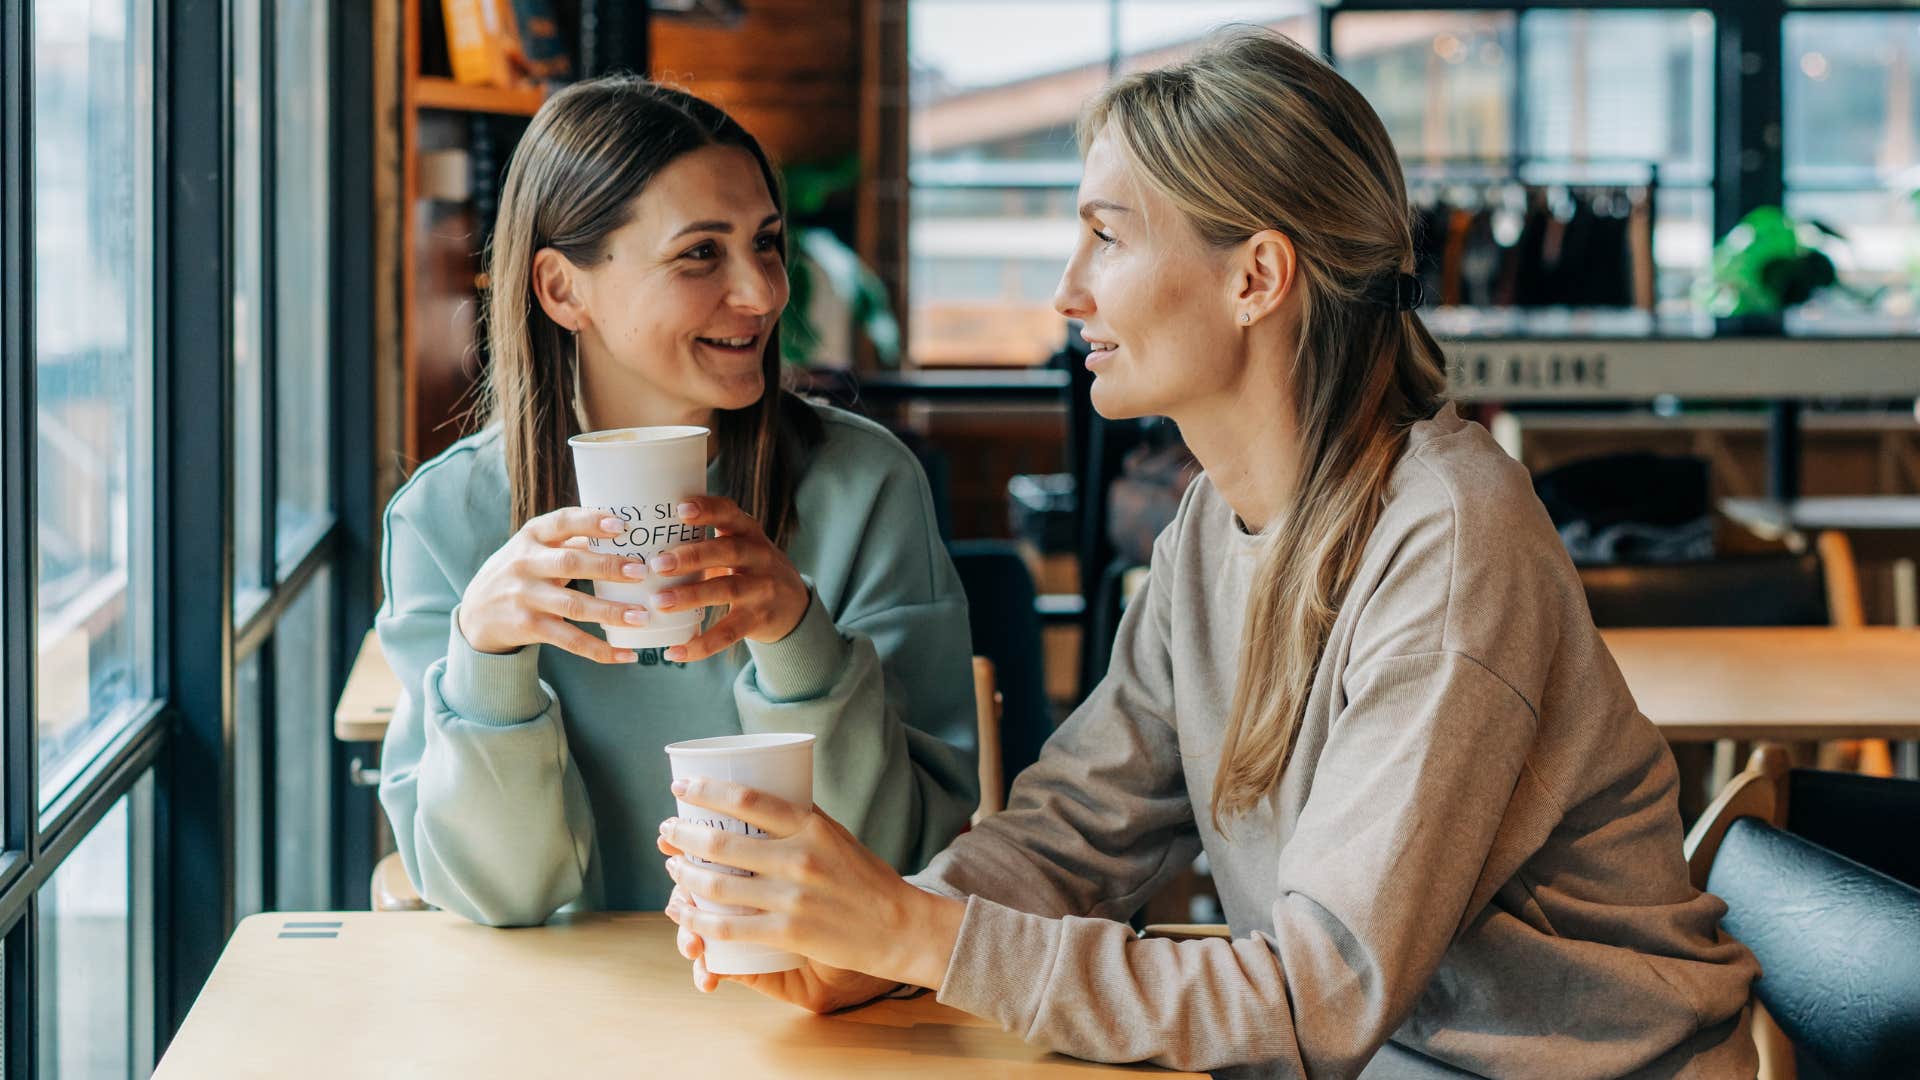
(1006, 630)
(1837, 943)
(1760, 590)
(1819, 875)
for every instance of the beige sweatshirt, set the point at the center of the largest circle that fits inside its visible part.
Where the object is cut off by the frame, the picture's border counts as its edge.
(1473, 863)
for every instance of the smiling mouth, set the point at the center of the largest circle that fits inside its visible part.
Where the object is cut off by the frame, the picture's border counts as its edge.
(731, 344)
(1100, 348)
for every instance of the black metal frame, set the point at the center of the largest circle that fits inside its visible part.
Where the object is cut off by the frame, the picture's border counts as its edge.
(354, 808)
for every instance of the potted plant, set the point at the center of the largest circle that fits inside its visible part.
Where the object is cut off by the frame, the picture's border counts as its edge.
(833, 293)
(1768, 263)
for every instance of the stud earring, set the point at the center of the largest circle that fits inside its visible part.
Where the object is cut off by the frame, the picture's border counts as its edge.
(1244, 317)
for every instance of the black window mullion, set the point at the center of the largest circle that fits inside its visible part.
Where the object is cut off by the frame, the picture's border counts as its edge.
(194, 526)
(269, 404)
(269, 448)
(22, 1012)
(17, 426)
(351, 166)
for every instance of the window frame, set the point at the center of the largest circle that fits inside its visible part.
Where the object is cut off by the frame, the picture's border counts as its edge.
(182, 826)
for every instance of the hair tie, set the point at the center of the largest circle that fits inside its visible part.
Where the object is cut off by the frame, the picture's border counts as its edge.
(1400, 292)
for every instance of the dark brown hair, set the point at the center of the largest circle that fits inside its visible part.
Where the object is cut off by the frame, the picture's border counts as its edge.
(589, 152)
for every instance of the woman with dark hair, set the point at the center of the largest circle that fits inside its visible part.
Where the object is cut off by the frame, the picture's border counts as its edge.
(1362, 678)
(637, 279)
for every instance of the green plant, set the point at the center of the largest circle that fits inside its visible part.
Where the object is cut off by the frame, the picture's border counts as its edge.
(818, 256)
(1770, 262)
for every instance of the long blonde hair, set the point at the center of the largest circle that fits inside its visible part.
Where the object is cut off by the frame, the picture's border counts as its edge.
(589, 152)
(1251, 133)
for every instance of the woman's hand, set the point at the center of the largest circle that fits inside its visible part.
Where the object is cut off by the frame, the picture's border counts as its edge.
(764, 593)
(817, 891)
(520, 596)
(812, 986)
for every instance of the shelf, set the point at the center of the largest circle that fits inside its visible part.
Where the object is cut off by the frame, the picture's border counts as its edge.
(438, 93)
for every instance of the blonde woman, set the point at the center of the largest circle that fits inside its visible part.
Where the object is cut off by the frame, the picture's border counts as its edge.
(1363, 680)
(638, 277)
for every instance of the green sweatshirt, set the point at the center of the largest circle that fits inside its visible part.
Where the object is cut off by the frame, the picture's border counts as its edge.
(522, 782)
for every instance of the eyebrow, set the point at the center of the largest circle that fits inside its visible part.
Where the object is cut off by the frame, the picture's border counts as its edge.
(722, 226)
(1094, 206)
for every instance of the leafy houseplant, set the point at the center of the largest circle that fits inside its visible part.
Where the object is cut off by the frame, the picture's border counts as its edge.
(825, 274)
(1768, 263)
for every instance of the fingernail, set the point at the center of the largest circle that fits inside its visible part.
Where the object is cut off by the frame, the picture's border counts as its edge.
(626, 656)
(634, 569)
(664, 599)
(678, 652)
(668, 824)
(679, 786)
(637, 616)
(664, 563)
(687, 510)
(610, 524)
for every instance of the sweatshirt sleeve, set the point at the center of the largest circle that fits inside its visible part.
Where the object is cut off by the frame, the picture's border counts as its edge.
(884, 683)
(1411, 788)
(1102, 820)
(488, 810)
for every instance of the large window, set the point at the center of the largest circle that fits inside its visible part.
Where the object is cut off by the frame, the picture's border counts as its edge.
(171, 562)
(1852, 141)
(93, 235)
(994, 92)
(282, 412)
(1579, 117)
(1511, 123)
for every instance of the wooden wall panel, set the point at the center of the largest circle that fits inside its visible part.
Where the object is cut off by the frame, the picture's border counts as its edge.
(789, 71)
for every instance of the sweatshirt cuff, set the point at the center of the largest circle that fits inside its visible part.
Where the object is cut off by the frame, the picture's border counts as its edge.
(1002, 962)
(806, 663)
(495, 689)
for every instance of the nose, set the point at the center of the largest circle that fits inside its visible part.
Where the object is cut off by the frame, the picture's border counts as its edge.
(1070, 297)
(759, 286)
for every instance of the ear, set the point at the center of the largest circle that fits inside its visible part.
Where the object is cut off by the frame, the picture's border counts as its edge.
(559, 285)
(1263, 276)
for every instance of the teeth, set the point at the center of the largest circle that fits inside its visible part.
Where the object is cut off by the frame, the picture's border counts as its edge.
(732, 343)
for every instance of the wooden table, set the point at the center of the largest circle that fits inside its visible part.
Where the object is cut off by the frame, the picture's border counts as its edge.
(1879, 526)
(1784, 683)
(428, 994)
(366, 705)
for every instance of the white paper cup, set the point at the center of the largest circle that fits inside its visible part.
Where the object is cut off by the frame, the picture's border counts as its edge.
(638, 475)
(778, 764)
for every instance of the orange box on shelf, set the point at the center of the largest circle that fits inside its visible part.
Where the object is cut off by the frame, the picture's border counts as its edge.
(482, 41)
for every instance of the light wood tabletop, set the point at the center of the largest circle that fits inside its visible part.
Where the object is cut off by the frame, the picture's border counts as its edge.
(428, 994)
(366, 705)
(1787, 683)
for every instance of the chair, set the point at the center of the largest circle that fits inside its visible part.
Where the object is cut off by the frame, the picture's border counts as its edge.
(1833, 926)
(1759, 590)
(391, 889)
(1007, 632)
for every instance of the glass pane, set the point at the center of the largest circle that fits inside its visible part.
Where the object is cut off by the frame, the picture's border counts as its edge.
(93, 254)
(1627, 87)
(1156, 32)
(249, 789)
(1881, 252)
(1442, 82)
(995, 90)
(1851, 81)
(249, 335)
(303, 271)
(85, 958)
(303, 750)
